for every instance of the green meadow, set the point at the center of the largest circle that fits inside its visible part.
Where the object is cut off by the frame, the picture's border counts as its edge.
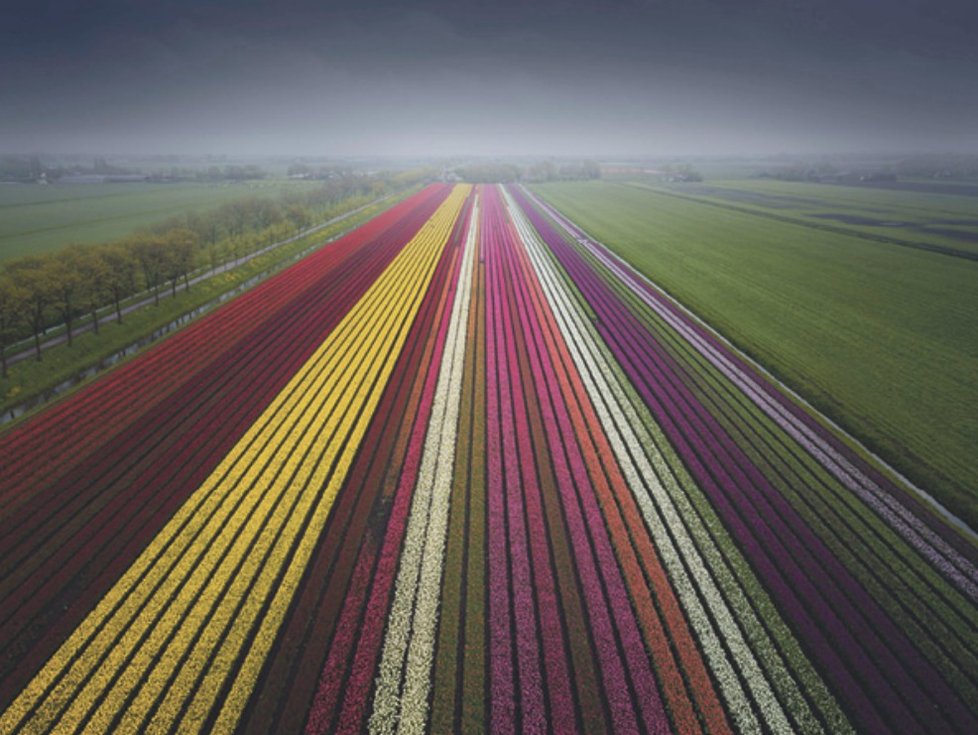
(881, 337)
(35, 218)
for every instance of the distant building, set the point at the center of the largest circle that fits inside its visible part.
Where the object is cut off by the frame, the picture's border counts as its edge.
(101, 178)
(878, 176)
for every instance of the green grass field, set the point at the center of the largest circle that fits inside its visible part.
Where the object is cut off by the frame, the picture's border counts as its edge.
(36, 218)
(882, 338)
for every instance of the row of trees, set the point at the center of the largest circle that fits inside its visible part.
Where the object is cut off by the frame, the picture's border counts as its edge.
(549, 171)
(680, 172)
(31, 168)
(856, 169)
(37, 291)
(248, 172)
(939, 166)
(488, 173)
(494, 172)
(41, 291)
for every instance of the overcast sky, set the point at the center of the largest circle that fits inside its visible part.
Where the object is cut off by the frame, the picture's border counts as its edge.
(496, 77)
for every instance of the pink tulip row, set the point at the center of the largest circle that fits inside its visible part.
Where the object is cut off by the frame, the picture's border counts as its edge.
(124, 464)
(865, 654)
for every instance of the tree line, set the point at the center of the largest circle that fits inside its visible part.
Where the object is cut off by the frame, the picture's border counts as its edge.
(497, 172)
(45, 290)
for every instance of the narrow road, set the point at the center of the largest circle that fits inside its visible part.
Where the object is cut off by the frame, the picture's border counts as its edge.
(59, 339)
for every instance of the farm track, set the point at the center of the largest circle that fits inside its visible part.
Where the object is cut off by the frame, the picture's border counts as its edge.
(465, 470)
(111, 316)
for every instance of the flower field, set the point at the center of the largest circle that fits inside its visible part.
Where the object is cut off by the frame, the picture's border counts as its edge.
(466, 470)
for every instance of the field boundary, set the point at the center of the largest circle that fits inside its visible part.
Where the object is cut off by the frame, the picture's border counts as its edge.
(964, 528)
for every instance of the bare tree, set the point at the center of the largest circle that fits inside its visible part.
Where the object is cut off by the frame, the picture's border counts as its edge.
(66, 285)
(151, 252)
(93, 271)
(33, 275)
(120, 265)
(13, 300)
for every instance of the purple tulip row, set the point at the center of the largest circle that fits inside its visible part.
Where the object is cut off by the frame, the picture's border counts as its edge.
(867, 659)
(932, 538)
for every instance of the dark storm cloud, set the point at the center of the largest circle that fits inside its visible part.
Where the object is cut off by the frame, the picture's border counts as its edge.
(504, 77)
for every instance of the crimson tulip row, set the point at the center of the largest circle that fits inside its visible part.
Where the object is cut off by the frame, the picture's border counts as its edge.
(89, 524)
(868, 659)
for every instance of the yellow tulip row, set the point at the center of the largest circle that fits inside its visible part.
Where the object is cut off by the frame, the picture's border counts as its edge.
(161, 647)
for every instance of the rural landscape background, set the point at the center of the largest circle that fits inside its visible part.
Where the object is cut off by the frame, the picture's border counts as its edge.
(555, 367)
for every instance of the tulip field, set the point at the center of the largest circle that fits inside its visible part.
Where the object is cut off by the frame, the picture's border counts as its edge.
(465, 470)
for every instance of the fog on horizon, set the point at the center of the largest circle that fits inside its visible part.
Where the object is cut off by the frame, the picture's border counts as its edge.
(505, 78)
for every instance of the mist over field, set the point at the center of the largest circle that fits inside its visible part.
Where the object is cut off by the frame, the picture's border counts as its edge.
(489, 366)
(472, 78)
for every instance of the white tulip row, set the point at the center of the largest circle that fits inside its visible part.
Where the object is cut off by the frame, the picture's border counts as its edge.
(665, 507)
(957, 568)
(409, 645)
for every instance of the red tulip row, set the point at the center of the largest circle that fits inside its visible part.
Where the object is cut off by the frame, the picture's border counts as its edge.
(658, 610)
(83, 527)
(569, 513)
(342, 697)
(104, 408)
(868, 660)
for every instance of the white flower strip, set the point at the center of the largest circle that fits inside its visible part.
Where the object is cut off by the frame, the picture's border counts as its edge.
(409, 644)
(912, 529)
(622, 426)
